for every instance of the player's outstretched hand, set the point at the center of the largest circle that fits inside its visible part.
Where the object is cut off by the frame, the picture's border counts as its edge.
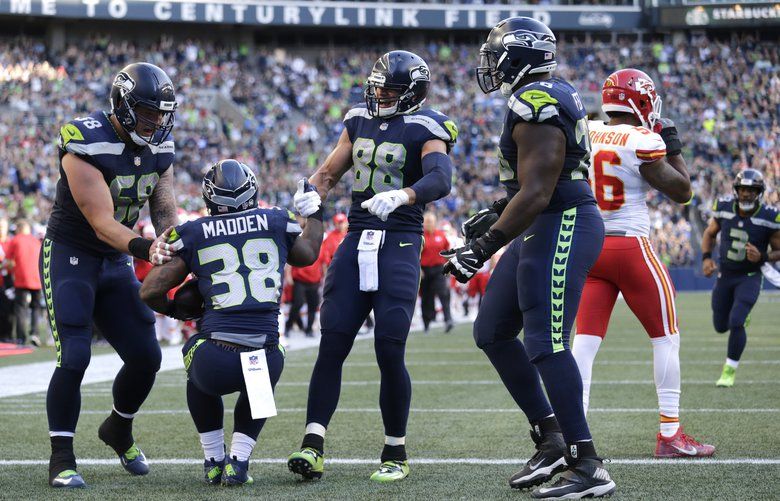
(753, 254)
(463, 262)
(478, 224)
(306, 200)
(161, 251)
(708, 267)
(382, 204)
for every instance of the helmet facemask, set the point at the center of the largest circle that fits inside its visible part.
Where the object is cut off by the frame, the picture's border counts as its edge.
(386, 107)
(489, 77)
(133, 113)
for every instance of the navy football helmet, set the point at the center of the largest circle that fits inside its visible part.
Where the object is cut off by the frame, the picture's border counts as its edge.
(400, 71)
(142, 97)
(229, 186)
(515, 47)
(749, 178)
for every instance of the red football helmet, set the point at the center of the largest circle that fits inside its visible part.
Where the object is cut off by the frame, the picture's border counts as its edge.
(632, 91)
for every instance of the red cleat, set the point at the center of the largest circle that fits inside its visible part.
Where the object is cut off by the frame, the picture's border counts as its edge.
(681, 445)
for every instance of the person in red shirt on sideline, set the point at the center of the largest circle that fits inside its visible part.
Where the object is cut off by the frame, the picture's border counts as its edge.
(334, 238)
(433, 282)
(306, 288)
(6, 304)
(24, 251)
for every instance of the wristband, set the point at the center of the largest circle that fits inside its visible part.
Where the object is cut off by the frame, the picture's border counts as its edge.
(706, 255)
(500, 205)
(491, 242)
(139, 247)
(690, 199)
(317, 215)
(764, 257)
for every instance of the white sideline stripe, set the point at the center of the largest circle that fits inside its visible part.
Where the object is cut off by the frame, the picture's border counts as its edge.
(424, 410)
(486, 363)
(604, 350)
(427, 461)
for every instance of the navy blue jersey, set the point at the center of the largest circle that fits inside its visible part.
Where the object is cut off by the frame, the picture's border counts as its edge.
(239, 261)
(131, 173)
(550, 102)
(736, 231)
(386, 156)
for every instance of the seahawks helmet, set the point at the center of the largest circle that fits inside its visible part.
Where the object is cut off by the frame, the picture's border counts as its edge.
(401, 71)
(144, 85)
(515, 47)
(749, 178)
(228, 187)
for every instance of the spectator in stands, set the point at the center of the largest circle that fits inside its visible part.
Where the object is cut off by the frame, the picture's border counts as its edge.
(23, 253)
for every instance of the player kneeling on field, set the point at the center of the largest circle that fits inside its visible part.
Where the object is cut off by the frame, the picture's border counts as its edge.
(238, 254)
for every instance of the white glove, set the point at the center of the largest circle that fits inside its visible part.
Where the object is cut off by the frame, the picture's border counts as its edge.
(306, 202)
(382, 204)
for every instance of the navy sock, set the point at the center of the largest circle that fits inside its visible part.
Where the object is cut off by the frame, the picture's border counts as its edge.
(564, 386)
(394, 453)
(314, 441)
(325, 385)
(737, 342)
(63, 400)
(520, 377)
(395, 392)
(131, 387)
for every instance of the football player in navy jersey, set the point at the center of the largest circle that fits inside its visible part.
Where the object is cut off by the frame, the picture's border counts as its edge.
(749, 237)
(554, 233)
(399, 153)
(111, 163)
(237, 254)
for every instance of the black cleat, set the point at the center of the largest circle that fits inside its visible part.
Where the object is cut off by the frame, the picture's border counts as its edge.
(548, 460)
(586, 478)
(62, 470)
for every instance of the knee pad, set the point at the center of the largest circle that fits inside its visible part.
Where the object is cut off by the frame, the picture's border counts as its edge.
(487, 332)
(74, 303)
(75, 350)
(145, 357)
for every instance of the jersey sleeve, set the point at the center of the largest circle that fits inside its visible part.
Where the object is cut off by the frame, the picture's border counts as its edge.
(352, 119)
(183, 241)
(165, 153)
(535, 103)
(432, 124)
(723, 208)
(648, 146)
(290, 227)
(770, 218)
(75, 138)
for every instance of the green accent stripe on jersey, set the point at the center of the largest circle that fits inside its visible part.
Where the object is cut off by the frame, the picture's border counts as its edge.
(191, 353)
(49, 295)
(558, 277)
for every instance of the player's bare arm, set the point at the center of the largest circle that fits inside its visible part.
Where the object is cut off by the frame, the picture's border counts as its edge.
(754, 255)
(160, 280)
(337, 163)
(670, 177)
(539, 166)
(306, 248)
(93, 198)
(708, 266)
(162, 203)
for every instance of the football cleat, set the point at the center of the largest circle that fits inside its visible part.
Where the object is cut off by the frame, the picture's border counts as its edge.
(391, 471)
(727, 377)
(236, 472)
(212, 471)
(681, 445)
(308, 462)
(585, 478)
(69, 479)
(134, 461)
(547, 461)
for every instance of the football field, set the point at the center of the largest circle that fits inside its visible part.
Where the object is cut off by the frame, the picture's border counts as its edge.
(465, 437)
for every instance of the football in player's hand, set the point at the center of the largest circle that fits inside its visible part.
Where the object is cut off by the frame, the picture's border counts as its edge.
(188, 301)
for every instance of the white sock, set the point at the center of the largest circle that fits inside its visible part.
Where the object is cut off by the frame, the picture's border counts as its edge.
(316, 429)
(732, 363)
(666, 372)
(584, 348)
(213, 443)
(241, 446)
(395, 440)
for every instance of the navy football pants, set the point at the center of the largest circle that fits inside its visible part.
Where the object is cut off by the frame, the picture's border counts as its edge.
(80, 289)
(732, 299)
(536, 286)
(345, 308)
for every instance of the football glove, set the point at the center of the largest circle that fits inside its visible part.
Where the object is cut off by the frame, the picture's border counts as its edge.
(382, 204)
(478, 224)
(665, 127)
(464, 262)
(306, 200)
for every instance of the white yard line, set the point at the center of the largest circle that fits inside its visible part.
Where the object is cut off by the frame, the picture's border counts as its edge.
(420, 461)
(459, 410)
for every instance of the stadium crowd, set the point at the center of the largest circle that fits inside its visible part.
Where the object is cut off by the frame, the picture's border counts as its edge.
(724, 96)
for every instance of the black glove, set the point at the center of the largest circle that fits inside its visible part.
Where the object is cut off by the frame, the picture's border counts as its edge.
(478, 224)
(464, 262)
(670, 136)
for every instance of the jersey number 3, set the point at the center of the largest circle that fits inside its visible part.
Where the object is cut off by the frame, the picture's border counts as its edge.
(261, 256)
(608, 189)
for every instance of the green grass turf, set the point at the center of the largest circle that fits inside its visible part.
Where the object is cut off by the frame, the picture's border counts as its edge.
(487, 426)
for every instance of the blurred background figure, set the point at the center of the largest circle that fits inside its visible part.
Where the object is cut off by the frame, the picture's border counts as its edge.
(433, 283)
(23, 254)
(306, 289)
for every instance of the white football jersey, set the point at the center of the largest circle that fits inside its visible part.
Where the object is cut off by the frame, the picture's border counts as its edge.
(617, 152)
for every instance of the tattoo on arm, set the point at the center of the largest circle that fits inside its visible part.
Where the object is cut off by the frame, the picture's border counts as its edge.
(162, 203)
(161, 279)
